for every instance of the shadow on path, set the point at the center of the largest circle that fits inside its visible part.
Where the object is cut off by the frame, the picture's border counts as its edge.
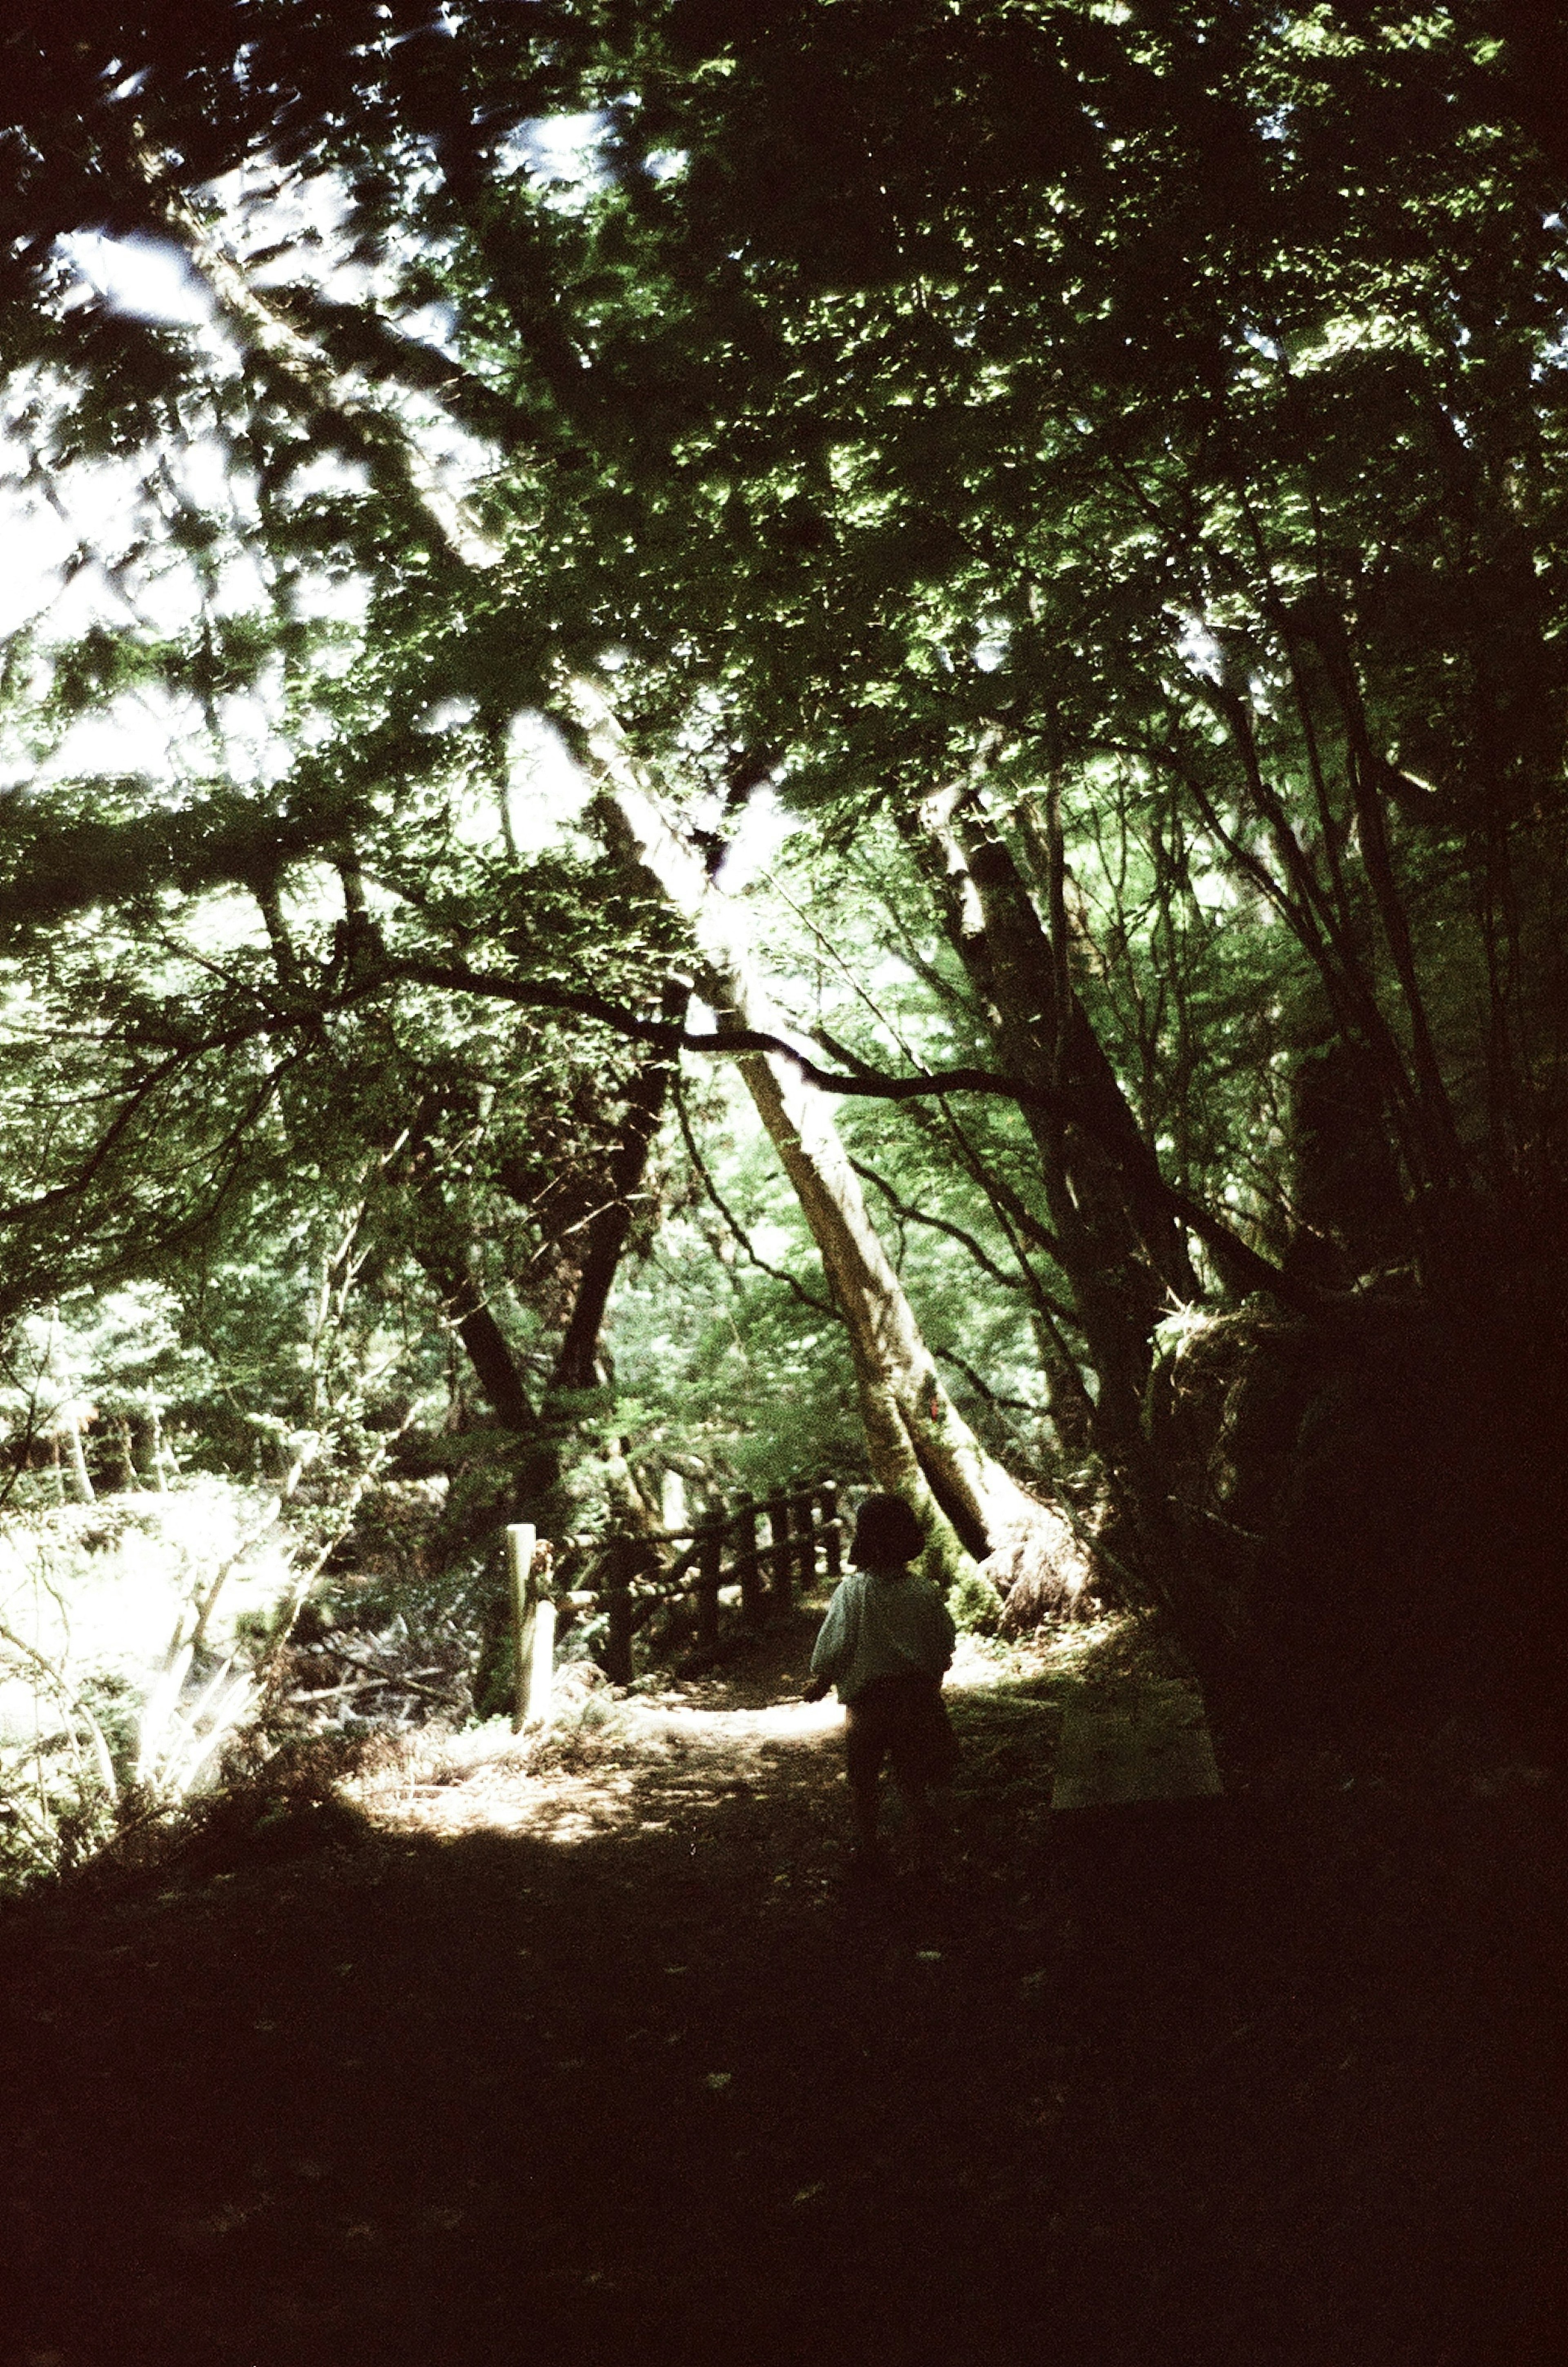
(1217, 2082)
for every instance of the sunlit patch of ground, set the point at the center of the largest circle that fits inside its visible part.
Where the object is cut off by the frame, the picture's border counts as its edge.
(1266, 2078)
(634, 1764)
(655, 1760)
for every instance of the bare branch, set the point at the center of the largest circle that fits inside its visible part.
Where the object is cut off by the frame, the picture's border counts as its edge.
(743, 1240)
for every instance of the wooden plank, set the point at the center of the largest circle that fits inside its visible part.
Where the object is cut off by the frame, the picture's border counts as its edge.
(781, 1550)
(832, 1534)
(1147, 1739)
(520, 1572)
(541, 1662)
(619, 1562)
(747, 1568)
(803, 1519)
(707, 1590)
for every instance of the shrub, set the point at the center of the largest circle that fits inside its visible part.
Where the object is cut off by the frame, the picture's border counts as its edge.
(975, 1605)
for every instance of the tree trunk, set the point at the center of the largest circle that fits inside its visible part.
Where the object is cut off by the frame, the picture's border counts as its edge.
(76, 1462)
(147, 1447)
(577, 1365)
(124, 1479)
(544, 1431)
(489, 1354)
(1115, 1240)
(918, 1443)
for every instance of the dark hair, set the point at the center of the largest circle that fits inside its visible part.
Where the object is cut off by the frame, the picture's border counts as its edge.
(886, 1531)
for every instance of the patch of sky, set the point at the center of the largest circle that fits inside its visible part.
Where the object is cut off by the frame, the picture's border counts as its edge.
(110, 515)
(314, 727)
(202, 472)
(1261, 343)
(312, 895)
(168, 737)
(756, 840)
(991, 650)
(433, 324)
(155, 591)
(134, 732)
(1552, 357)
(889, 969)
(773, 1241)
(145, 279)
(221, 922)
(329, 472)
(286, 228)
(563, 152)
(1197, 649)
(278, 221)
(545, 789)
(318, 598)
(447, 715)
(39, 545)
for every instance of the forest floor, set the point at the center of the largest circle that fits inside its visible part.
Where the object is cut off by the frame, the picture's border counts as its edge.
(606, 2057)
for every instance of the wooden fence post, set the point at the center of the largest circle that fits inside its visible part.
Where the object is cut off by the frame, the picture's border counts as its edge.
(832, 1534)
(619, 1560)
(747, 1569)
(710, 1556)
(801, 1513)
(525, 1623)
(541, 1661)
(779, 1549)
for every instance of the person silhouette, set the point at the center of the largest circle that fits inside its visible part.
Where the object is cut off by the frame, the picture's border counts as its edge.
(887, 1643)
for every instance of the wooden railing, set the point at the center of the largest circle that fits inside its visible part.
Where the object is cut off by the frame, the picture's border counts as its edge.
(740, 1567)
(726, 1567)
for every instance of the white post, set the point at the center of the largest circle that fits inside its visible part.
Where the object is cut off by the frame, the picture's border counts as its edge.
(533, 1631)
(541, 1660)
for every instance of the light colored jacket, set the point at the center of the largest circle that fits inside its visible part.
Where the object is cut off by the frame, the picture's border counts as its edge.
(882, 1622)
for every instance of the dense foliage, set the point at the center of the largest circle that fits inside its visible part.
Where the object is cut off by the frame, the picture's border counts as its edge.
(1036, 534)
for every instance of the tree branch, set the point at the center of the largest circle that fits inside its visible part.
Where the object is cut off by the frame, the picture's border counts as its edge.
(1247, 1268)
(743, 1240)
(983, 1389)
(981, 1256)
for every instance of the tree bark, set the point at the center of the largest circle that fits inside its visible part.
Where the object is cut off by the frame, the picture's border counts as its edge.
(76, 1461)
(544, 1430)
(1122, 1252)
(494, 1366)
(918, 1443)
(577, 1365)
(1115, 1239)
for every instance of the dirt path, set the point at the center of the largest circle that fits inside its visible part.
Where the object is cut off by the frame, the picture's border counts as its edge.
(612, 2063)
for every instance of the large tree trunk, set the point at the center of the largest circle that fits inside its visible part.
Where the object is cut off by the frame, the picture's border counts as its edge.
(1123, 1254)
(918, 1443)
(546, 1435)
(1115, 1241)
(544, 1430)
(577, 1365)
